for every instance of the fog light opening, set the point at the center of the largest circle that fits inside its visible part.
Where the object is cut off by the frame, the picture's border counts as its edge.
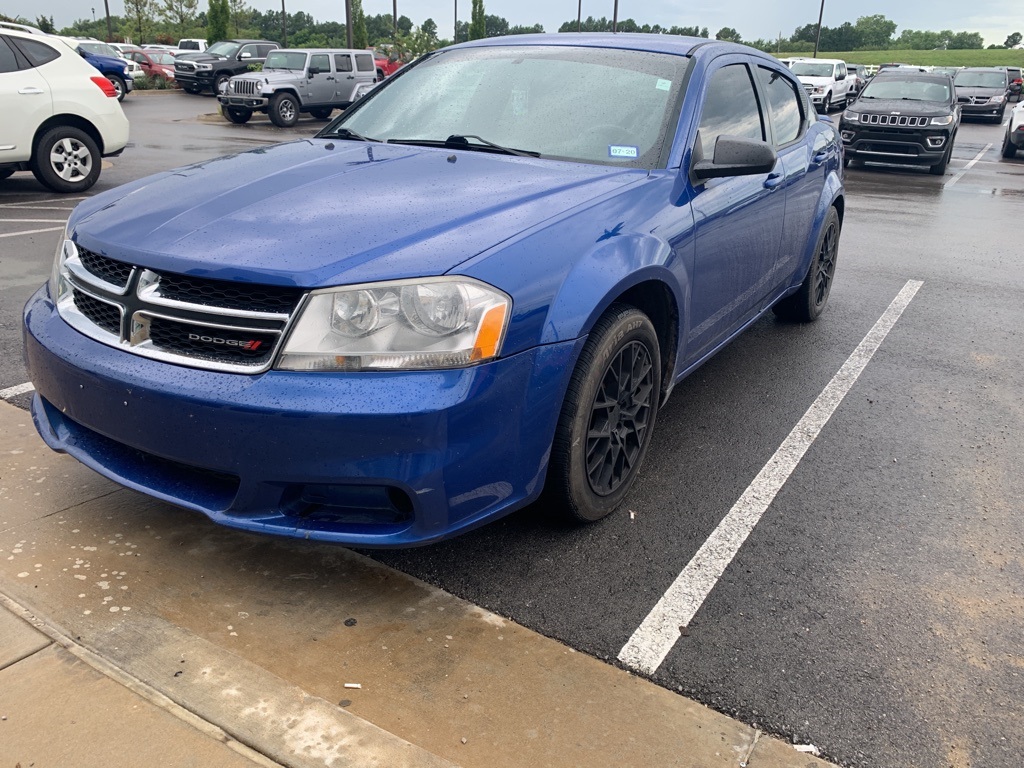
(328, 504)
(935, 142)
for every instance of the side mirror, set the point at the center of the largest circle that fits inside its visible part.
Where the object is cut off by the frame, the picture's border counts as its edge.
(313, 71)
(245, 55)
(840, 77)
(735, 156)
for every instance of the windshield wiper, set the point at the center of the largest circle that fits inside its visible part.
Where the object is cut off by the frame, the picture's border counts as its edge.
(456, 141)
(341, 132)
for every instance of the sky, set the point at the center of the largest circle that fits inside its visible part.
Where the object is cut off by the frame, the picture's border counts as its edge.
(994, 19)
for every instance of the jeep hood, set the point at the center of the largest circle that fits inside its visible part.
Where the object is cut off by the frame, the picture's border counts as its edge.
(325, 212)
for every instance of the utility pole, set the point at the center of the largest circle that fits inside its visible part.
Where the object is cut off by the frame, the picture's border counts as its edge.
(110, 31)
(455, 34)
(579, 16)
(817, 38)
(394, 13)
(348, 22)
(284, 26)
(615, 17)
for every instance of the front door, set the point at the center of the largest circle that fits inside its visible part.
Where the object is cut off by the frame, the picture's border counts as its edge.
(322, 84)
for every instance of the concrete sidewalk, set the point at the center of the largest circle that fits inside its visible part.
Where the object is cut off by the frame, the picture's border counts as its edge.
(131, 629)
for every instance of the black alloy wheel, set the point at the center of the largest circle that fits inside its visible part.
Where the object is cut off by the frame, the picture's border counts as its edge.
(608, 416)
(811, 297)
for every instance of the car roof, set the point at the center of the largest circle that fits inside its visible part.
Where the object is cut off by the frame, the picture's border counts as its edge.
(321, 50)
(635, 41)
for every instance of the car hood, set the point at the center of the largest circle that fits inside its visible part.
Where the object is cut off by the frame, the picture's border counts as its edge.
(901, 107)
(808, 80)
(324, 212)
(98, 59)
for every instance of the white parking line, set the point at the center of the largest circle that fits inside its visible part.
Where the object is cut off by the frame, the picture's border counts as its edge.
(967, 167)
(657, 634)
(20, 389)
(33, 231)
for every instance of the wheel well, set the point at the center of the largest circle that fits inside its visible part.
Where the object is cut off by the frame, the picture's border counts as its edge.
(840, 205)
(655, 300)
(73, 120)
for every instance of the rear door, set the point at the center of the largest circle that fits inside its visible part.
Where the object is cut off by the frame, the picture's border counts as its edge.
(25, 100)
(344, 77)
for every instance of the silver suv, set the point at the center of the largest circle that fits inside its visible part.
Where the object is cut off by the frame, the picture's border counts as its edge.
(314, 80)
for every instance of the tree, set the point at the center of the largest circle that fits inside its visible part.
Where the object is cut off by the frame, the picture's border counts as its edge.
(962, 41)
(875, 32)
(495, 26)
(139, 15)
(46, 25)
(241, 15)
(1012, 41)
(178, 13)
(808, 33)
(478, 21)
(728, 34)
(218, 17)
(518, 29)
(360, 38)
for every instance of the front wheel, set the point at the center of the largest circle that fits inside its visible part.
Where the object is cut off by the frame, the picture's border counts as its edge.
(321, 113)
(1009, 148)
(193, 89)
(236, 115)
(809, 301)
(608, 416)
(284, 110)
(220, 84)
(66, 160)
(120, 87)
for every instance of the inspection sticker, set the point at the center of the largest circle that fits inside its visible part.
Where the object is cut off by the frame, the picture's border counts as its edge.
(617, 150)
(663, 85)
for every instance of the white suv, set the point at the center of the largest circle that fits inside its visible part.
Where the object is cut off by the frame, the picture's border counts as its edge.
(826, 81)
(60, 116)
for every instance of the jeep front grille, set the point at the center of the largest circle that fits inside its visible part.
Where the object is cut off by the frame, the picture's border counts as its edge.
(195, 321)
(902, 121)
(245, 87)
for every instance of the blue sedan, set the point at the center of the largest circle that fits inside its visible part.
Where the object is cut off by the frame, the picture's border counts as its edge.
(476, 286)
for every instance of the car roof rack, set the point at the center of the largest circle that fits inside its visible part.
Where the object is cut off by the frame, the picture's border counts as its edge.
(21, 28)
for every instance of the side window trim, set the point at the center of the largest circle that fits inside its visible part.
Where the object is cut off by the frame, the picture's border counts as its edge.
(714, 69)
(799, 94)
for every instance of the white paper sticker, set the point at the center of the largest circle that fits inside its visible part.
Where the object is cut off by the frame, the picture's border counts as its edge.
(618, 150)
(663, 85)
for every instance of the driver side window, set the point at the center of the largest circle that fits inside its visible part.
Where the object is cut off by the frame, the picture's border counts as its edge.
(730, 108)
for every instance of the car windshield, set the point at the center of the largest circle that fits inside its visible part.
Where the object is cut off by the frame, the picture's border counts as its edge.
(162, 58)
(968, 79)
(593, 105)
(809, 69)
(285, 60)
(912, 90)
(100, 49)
(227, 50)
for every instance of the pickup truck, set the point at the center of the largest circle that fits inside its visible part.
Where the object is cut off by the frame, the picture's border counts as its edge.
(211, 69)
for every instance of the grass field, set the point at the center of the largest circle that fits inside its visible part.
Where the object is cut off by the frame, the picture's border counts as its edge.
(996, 57)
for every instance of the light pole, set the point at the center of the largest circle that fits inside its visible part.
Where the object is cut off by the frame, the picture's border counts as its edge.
(455, 32)
(817, 38)
(394, 14)
(110, 31)
(348, 22)
(284, 26)
(579, 16)
(615, 17)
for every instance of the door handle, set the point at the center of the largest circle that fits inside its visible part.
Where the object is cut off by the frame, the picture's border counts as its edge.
(774, 180)
(819, 158)
(351, 77)
(30, 90)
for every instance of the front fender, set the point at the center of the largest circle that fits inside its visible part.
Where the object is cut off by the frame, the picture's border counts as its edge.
(832, 194)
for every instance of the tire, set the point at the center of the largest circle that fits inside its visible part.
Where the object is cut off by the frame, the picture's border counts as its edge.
(810, 299)
(826, 103)
(598, 449)
(321, 113)
(380, 75)
(939, 169)
(193, 89)
(120, 87)
(66, 159)
(1009, 148)
(218, 81)
(236, 115)
(284, 110)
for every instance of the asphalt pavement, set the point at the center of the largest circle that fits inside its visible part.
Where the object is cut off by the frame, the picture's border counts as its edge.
(873, 610)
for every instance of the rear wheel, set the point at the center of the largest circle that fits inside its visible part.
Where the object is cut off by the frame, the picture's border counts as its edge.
(236, 115)
(1009, 148)
(608, 416)
(809, 301)
(321, 113)
(66, 160)
(193, 89)
(284, 110)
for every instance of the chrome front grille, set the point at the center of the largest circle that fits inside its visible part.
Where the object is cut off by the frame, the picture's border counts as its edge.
(241, 87)
(184, 66)
(203, 323)
(901, 121)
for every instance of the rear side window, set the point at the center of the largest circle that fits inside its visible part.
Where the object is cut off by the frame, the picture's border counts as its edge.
(783, 105)
(364, 62)
(342, 62)
(730, 108)
(8, 61)
(36, 52)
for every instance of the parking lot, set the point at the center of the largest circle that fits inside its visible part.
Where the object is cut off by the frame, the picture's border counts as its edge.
(858, 477)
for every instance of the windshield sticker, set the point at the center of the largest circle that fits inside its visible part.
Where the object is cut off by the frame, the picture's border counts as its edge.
(663, 85)
(618, 150)
(518, 102)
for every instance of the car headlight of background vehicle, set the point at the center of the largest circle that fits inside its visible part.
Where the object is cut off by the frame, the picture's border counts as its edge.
(944, 120)
(852, 116)
(426, 323)
(997, 99)
(204, 66)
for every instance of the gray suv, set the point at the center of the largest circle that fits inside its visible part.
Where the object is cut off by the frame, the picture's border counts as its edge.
(314, 80)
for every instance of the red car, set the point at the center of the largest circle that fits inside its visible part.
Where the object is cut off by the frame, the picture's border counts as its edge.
(158, 65)
(386, 63)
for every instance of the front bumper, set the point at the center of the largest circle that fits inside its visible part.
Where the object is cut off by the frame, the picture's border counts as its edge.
(982, 110)
(367, 459)
(199, 79)
(244, 102)
(921, 146)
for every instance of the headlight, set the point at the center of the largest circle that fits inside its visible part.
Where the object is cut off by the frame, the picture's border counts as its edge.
(819, 89)
(997, 99)
(204, 66)
(852, 116)
(443, 322)
(942, 120)
(124, 70)
(58, 285)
